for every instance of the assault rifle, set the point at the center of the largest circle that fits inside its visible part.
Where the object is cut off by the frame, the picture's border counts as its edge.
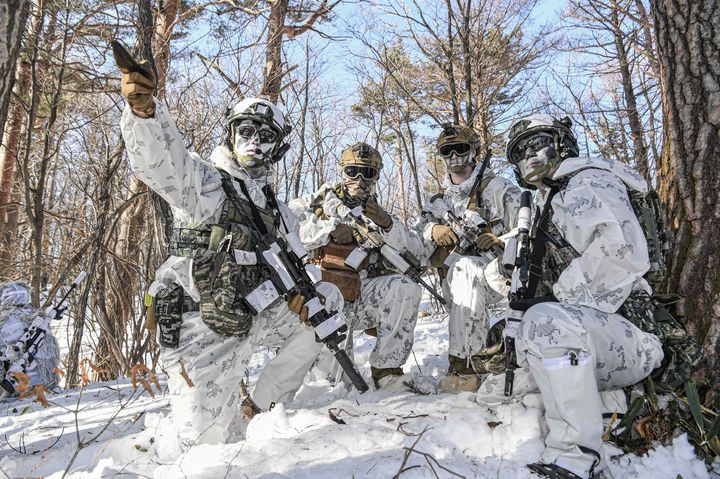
(20, 356)
(369, 239)
(517, 256)
(284, 257)
(468, 229)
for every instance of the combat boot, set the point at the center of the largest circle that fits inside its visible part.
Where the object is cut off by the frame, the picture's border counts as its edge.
(389, 378)
(460, 377)
(249, 409)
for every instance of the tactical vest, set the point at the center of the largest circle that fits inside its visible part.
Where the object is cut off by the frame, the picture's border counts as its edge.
(651, 314)
(222, 282)
(475, 203)
(375, 266)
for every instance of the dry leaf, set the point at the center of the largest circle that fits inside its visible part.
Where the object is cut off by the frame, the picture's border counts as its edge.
(23, 382)
(185, 375)
(59, 372)
(141, 373)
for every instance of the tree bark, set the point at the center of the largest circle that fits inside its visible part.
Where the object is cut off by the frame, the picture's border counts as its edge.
(13, 16)
(272, 82)
(689, 56)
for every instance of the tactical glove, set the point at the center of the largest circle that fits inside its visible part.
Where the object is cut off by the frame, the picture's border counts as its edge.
(342, 234)
(487, 241)
(296, 304)
(138, 89)
(377, 214)
(138, 81)
(443, 235)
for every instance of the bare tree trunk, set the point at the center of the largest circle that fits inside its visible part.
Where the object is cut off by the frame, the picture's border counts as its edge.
(636, 130)
(273, 57)
(297, 173)
(686, 33)
(13, 16)
(8, 157)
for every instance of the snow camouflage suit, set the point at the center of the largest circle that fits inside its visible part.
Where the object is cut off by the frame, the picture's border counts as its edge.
(472, 284)
(16, 314)
(388, 301)
(208, 411)
(572, 349)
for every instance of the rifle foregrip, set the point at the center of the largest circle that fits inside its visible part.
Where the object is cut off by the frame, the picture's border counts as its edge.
(351, 370)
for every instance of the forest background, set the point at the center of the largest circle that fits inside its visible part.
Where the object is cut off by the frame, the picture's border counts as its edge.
(640, 79)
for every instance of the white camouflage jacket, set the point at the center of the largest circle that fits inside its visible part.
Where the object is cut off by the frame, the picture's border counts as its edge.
(315, 231)
(190, 185)
(500, 199)
(596, 218)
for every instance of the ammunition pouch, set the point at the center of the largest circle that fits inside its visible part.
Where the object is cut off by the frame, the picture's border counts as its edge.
(231, 294)
(335, 271)
(655, 315)
(170, 304)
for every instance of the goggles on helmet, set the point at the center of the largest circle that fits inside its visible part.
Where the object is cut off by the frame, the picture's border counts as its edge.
(367, 172)
(536, 142)
(248, 131)
(457, 148)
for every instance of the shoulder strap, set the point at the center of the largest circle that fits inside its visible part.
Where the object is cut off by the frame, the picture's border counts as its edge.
(540, 241)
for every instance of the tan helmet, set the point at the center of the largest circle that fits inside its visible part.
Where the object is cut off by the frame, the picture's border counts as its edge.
(454, 134)
(361, 154)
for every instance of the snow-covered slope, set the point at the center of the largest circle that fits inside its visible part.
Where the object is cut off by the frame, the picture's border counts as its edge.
(325, 432)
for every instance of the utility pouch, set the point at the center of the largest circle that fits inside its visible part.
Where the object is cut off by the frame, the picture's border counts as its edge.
(334, 256)
(682, 353)
(348, 282)
(168, 315)
(231, 294)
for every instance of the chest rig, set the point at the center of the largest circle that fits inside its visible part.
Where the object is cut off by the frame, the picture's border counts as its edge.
(225, 266)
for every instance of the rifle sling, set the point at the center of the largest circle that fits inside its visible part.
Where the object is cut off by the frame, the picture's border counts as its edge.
(540, 241)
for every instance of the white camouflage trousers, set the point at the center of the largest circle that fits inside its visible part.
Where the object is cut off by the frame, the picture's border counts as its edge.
(572, 354)
(390, 304)
(208, 411)
(470, 287)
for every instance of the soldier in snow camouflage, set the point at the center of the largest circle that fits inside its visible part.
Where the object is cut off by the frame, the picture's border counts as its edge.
(378, 299)
(226, 306)
(589, 256)
(473, 282)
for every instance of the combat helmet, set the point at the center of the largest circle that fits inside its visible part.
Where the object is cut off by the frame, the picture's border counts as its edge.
(458, 145)
(361, 154)
(563, 137)
(264, 112)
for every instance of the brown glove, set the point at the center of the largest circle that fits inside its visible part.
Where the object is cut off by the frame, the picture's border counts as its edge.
(342, 234)
(138, 89)
(443, 235)
(296, 304)
(376, 213)
(487, 241)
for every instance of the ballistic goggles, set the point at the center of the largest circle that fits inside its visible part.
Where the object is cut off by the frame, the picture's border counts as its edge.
(459, 149)
(248, 131)
(536, 142)
(367, 172)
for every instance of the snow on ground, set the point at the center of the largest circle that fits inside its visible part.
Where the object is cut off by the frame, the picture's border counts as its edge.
(126, 433)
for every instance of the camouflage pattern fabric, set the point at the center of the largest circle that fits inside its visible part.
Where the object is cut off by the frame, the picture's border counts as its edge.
(682, 353)
(471, 286)
(470, 291)
(223, 285)
(389, 304)
(14, 320)
(573, 352)
(168, 314)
